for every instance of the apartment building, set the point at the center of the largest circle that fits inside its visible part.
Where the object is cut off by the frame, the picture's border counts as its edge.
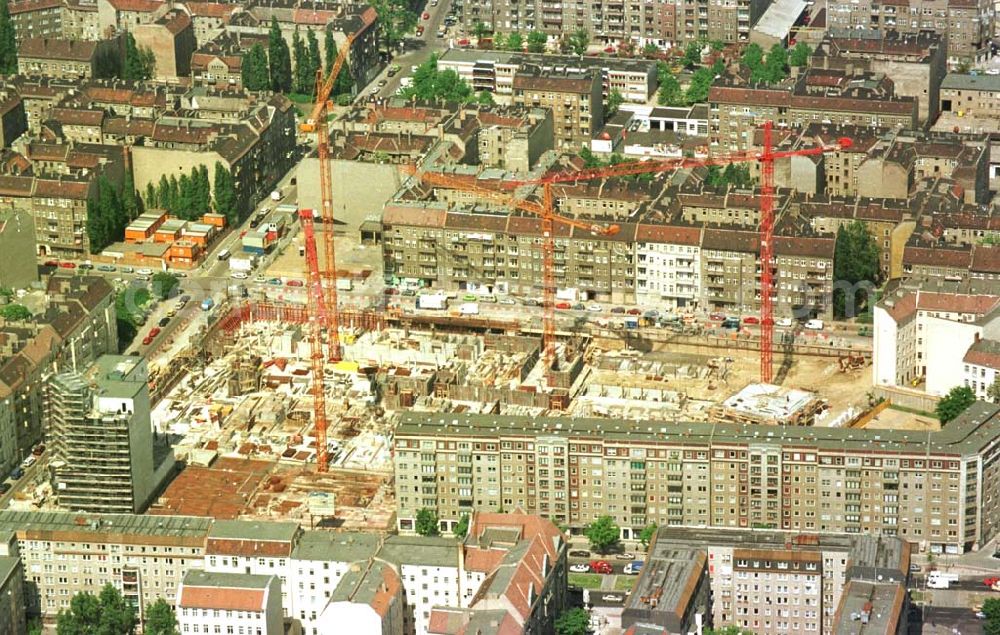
(219, 62)
(494, 71)
(967, 24)
(671, 593)
(924, 329)
(12, 615)
(64, 58)
(980, 365)
(816, 96)
(368, 599)
(935, 491)
(573, 97)
(916, 62)
(223, 602)
(171, 38)
(973, 96)
(37, 18)
(99, 429)
(788, 582)
(668, 266)
(729, 22)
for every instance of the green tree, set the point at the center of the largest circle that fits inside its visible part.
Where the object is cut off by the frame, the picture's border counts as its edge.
(395, 19)
(575, 621)
(537, 41)
(753, 56)
(427, 522)
(279, 59)
(163, 194)
(150, 195)
(160, 619)
(650, 50)
(202, 196)
(106, 217)
(431, 84)
(647, 533)
(991, 609)
(462, 528)
(615, 100)
(329, 49)
(485, 98)
(856, 269)
(670, 92)
(300, 65)
(776, 64)
(185, 201)
(130, 199)
(717, 45)
(35, 626)
(499, 41)
(800, 55)
(15, 312)
(8, 44)
(254, 70)
(579, 40)
(701, 82)
(225, 194)
(603, 534)
(954, 403)
(164, 284)
(107, 614)
(140, 64)
(515, 42)
(480, 30)
(993, 392)
(315, 61)
(692, 54)
(590, 160)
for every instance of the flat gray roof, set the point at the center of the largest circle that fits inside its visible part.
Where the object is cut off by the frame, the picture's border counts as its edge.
(420, 550)
(883, 615)
(548, 61)
(199, 577)
(667, 575)
(270, 531)
(957, 81)
(106, 524)
(975, 429)
(331, 546)
(671, 537)
(777, 21)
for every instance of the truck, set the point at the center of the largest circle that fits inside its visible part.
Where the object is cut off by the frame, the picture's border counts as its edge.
(571, 295)
(632, 322)
(938, 583)
(634, 567)
(207, 304)
(469, 308)
(245, 263)
(432, 301)
(940, 575)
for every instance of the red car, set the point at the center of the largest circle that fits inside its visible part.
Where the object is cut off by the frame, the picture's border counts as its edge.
(391, 291)
(153, 332)
(564, 306)
(716, 317)
(420, 30)
(294, 283)
(751, 320)
(51, 263)
(146, 341)
(635, 311)
(426, 16)
(601, 566)
(68, 265)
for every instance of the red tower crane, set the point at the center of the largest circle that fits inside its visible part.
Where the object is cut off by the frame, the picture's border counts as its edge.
(766, 157)
(549, 219)
(317, 311)
(317, 123)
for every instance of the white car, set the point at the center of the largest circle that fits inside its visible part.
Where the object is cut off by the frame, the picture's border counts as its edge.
(239, 275)
(580, 568)
(28, 462)
(596, 308)
(612, 598)
(507, 301)
(814, 325)
(783, 322)
(144, 272)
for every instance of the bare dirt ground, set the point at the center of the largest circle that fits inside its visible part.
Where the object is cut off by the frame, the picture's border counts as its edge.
(890, 419)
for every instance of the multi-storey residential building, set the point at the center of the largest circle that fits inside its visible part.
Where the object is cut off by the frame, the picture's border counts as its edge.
(171, 38)
(80, 20)
(102, 438)
(923, 330)
(574, 98)
(37, 19)
(980, 367)
(224, 602)
(967, 24)
(668, 266)
(974, 96)
(494, 71)
(369, 599)
(934, 490)
(219, 62)
(916, 62)
(729, 22)
(76, 328)
(820, 96)
(786, 582)
(12, 614)
(63, 58)
(671, 593)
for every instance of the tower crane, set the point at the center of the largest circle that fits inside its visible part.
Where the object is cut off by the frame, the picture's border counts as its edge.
(766, 157)
(316, 123)
(549, 219)
(322, 305)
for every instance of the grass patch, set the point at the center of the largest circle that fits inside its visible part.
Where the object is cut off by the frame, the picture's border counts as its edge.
(913, 411)
(624, 582)
(585, 580)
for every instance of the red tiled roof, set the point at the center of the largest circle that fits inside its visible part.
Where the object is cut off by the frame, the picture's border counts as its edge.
(222, 598)
(139, 6)
(210, 9)
(986, 259)
(483, 560)
(77, 117)
(984, 353)
(62, 189)
(956, 303)
(937, 257)
(26, 6)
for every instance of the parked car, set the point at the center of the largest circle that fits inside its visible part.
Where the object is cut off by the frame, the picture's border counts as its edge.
(580, 568)
(530, 302)
(596, 308)
(144, 272)
(275, 281)
(294, 283)
(814, 325)
(16, 473)
(146, 341)
(563, 306)
(618, 310)
(106, 267)
(4, 488)
(153, 332)
(579, 306)
(425, 16)
(86, 266)
(612, 598)
(239, 275)
(164, 321)
(579, 553)
(634, 311)
(51, 263)
(68, 265)
(717, 317)
(28, 462)
(600, 566)
(750, 319)
(625, 556)
(914, 568)
(38, 450)
(507, 301)
(128, 270)
(408, 292)
(783, 322)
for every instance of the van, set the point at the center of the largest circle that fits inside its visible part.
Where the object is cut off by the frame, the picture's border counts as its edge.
(224, 254)
(938, 583)
(731, 323)
(814, 325)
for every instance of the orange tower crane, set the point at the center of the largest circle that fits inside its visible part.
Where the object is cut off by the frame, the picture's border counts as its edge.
(317, 123)
(317, 312)
(766, 157)
(549, 219)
